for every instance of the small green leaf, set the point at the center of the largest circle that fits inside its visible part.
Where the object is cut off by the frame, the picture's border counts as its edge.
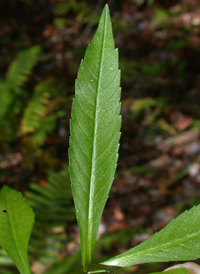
(16, 221)
(95, 133)
(178, 241)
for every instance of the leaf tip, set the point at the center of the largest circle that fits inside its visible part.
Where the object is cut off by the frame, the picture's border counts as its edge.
(106, 10)
(106, 7)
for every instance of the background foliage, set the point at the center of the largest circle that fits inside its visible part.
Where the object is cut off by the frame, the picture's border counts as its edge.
(158, 176)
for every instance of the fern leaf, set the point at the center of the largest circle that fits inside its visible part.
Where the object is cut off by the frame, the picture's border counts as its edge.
(16, 75)
(53, 208)
(36, 108)
(20, 69)
(38, 117)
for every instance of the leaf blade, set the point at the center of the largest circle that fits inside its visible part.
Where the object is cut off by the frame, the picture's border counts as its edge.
(16, 221)
(95, 133)
(178, 241)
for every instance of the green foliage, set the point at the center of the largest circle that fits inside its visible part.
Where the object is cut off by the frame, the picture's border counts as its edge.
(16, 221)
(163, 246)
(11, 92)
(53, 208)
(150, 109)
(16, 76)
(39, 118)
(41, 113)
(179, 240)
(140, 106)
(36, 108)
(85, 13)
(67, 266)
(95, 133)
(161, 18)
(64, 7)
(95, 127)
(21, 68)
(60, 22)
(51, 201)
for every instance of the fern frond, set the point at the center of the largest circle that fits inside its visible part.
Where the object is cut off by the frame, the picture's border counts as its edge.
(54, 199)
(39, 118)
(20, 69)
(53, 208)
(11, 91)
(36, 108)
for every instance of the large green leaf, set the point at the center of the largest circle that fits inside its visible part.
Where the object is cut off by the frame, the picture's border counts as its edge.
(95, 133)
(178, 241)
(16, 221)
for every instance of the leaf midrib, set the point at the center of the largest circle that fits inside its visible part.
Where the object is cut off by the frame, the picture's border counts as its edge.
(89, 234)
(15, 241)
(154, 250)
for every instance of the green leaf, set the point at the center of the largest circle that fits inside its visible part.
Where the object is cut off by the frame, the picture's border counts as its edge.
(95, 133)
(16, 221)
(178, 241)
